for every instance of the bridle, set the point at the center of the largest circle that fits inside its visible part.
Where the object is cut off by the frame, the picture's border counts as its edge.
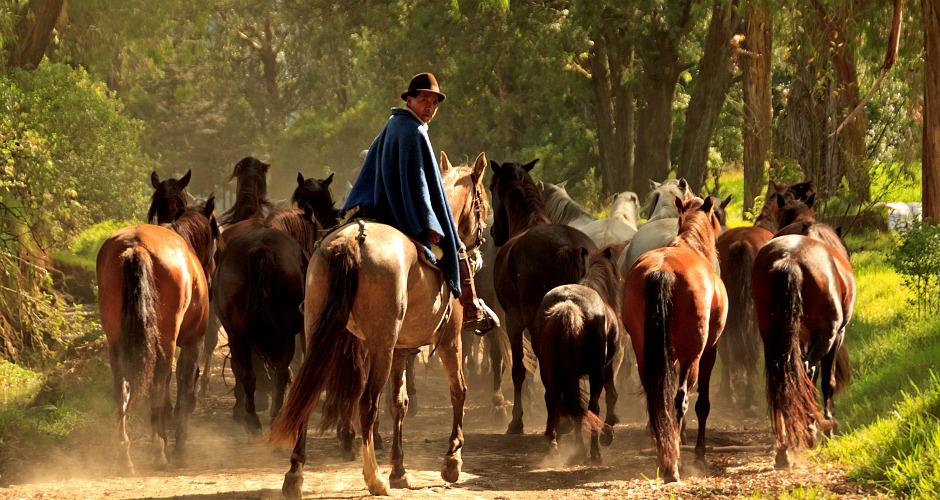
(477, 209)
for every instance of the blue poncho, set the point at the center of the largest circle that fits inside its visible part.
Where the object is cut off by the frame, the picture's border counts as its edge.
(401, 183)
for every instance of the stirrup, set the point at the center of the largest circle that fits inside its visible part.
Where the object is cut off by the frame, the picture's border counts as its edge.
(482, 319)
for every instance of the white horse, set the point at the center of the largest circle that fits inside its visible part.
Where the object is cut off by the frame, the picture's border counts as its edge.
(561, 208)
(620, 225)
(662, 221)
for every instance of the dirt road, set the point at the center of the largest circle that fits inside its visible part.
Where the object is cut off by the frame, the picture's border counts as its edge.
(224, 464)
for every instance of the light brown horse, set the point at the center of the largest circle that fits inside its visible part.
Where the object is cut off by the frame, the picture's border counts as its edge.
(674, 308)
(153, 296)
(804, 293)
(370, 299)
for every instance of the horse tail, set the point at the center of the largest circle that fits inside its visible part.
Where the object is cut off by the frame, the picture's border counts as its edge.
(259, 269)
(334, 360)
(842, 368)
(659, 377)
(789, 389)
(742, 346)
(138, 346)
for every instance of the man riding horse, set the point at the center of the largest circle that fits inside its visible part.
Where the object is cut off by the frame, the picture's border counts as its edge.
(400, 185)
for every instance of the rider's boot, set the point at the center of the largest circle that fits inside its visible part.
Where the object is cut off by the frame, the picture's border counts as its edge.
(477, 316)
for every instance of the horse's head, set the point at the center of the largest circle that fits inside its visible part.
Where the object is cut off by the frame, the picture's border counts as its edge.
(699, 225)
(625, 204)
(662, 194)
(721, 206)
(251, 190)
(169, 197)
(508, 178)
(467, 198)
(794, 210)
(317, 194)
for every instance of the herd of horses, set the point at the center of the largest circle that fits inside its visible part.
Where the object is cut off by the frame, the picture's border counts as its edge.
(364, 299)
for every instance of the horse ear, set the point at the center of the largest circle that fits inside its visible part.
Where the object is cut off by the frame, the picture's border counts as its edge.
(679, 204)
(267, 166)
(494, 166)
(479, 166)
(444, 164)
(540, 185)
(308, 211)
(654, 184)
(184, 180)
(684, 187)
(562, 184)
(781, 201)
(528, 166)
(708, 205)
(328, 180)
(608, 252)
(811, 200)
(839, 232)
(300, 179)
(155, 179)
(726, 201)
(210, 206)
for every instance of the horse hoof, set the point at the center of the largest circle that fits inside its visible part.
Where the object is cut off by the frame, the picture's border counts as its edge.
(399, 482)
(596, 460)
(612, 419)
(412, 406)
(782, 461)
(515, 427)
(450, 471)
(379, 488)
(671, 475)
(293, 485)
(607, 435)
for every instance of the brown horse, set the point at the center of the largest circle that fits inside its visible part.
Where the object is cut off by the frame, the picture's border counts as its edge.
(739, 348)
(258, 288)
(577, 334)
(370, 299)
(674, 308)
(529, 245)
(804, 294)
(153, 296)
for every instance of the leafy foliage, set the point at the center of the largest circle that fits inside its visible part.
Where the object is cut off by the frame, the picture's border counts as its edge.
(917, 259)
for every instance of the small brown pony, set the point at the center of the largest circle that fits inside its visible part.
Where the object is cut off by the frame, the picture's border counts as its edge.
(804, 294)
(739, 348)
(577, 334)
(153, 296)
(534, 257)
(370, 300)
(674, 307)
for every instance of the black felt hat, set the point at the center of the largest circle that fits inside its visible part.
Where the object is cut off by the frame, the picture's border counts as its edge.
(423, 81)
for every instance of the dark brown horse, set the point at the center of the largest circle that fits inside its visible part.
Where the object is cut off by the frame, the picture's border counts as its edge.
(258, 290)
(169, 197)
(739, 348)
(577, 334)
(370, 300)
(804, 295)
(154, 297)
(530, 246)
(674, 308)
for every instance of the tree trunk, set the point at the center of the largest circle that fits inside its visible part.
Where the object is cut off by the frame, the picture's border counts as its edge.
(708, 96)
(34, 32)
(758, 108)
(614, 110)
(654, 135)
(931, 140)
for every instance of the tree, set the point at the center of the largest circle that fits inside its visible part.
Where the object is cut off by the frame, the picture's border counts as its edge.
(34, 32)
(931, 139)
(755, 57)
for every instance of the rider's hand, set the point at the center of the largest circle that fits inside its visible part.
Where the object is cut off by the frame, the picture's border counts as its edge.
(433, 238)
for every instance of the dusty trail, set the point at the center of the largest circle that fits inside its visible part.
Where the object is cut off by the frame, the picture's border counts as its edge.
(223, 463)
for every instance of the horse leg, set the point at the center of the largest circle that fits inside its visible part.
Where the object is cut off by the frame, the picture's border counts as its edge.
(378, 373)
(682, 401)
(210, 342)
(122, 399)
(294, 478)
(611, 395)
(449, 353)
(515, 328)
(782, 459)
(828, 388)
(551, 420)
(243, 366)
(398, 407)
(597, 381)
(159, 403)
(187, 375)
(410, 382)
(496, 364)
(703, 404)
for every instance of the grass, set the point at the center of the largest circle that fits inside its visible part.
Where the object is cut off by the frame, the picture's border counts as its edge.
(891, 410)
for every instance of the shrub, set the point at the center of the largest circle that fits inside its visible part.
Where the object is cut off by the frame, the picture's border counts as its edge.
(917, 259)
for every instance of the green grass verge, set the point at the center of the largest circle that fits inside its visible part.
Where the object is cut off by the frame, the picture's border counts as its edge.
(891, 410)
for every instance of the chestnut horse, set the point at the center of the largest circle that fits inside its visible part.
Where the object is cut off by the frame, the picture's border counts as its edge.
(804, 294)
(674, 308)
(169, 197)
(739, 349)
(370, 300)
(534, 257)
(577, 334)
(153, 296)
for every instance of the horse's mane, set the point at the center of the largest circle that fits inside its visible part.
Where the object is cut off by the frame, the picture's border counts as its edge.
(697, 230)
(559, 207)
(197, 230)
(603, 276)
(251, 196)
(297, 223)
